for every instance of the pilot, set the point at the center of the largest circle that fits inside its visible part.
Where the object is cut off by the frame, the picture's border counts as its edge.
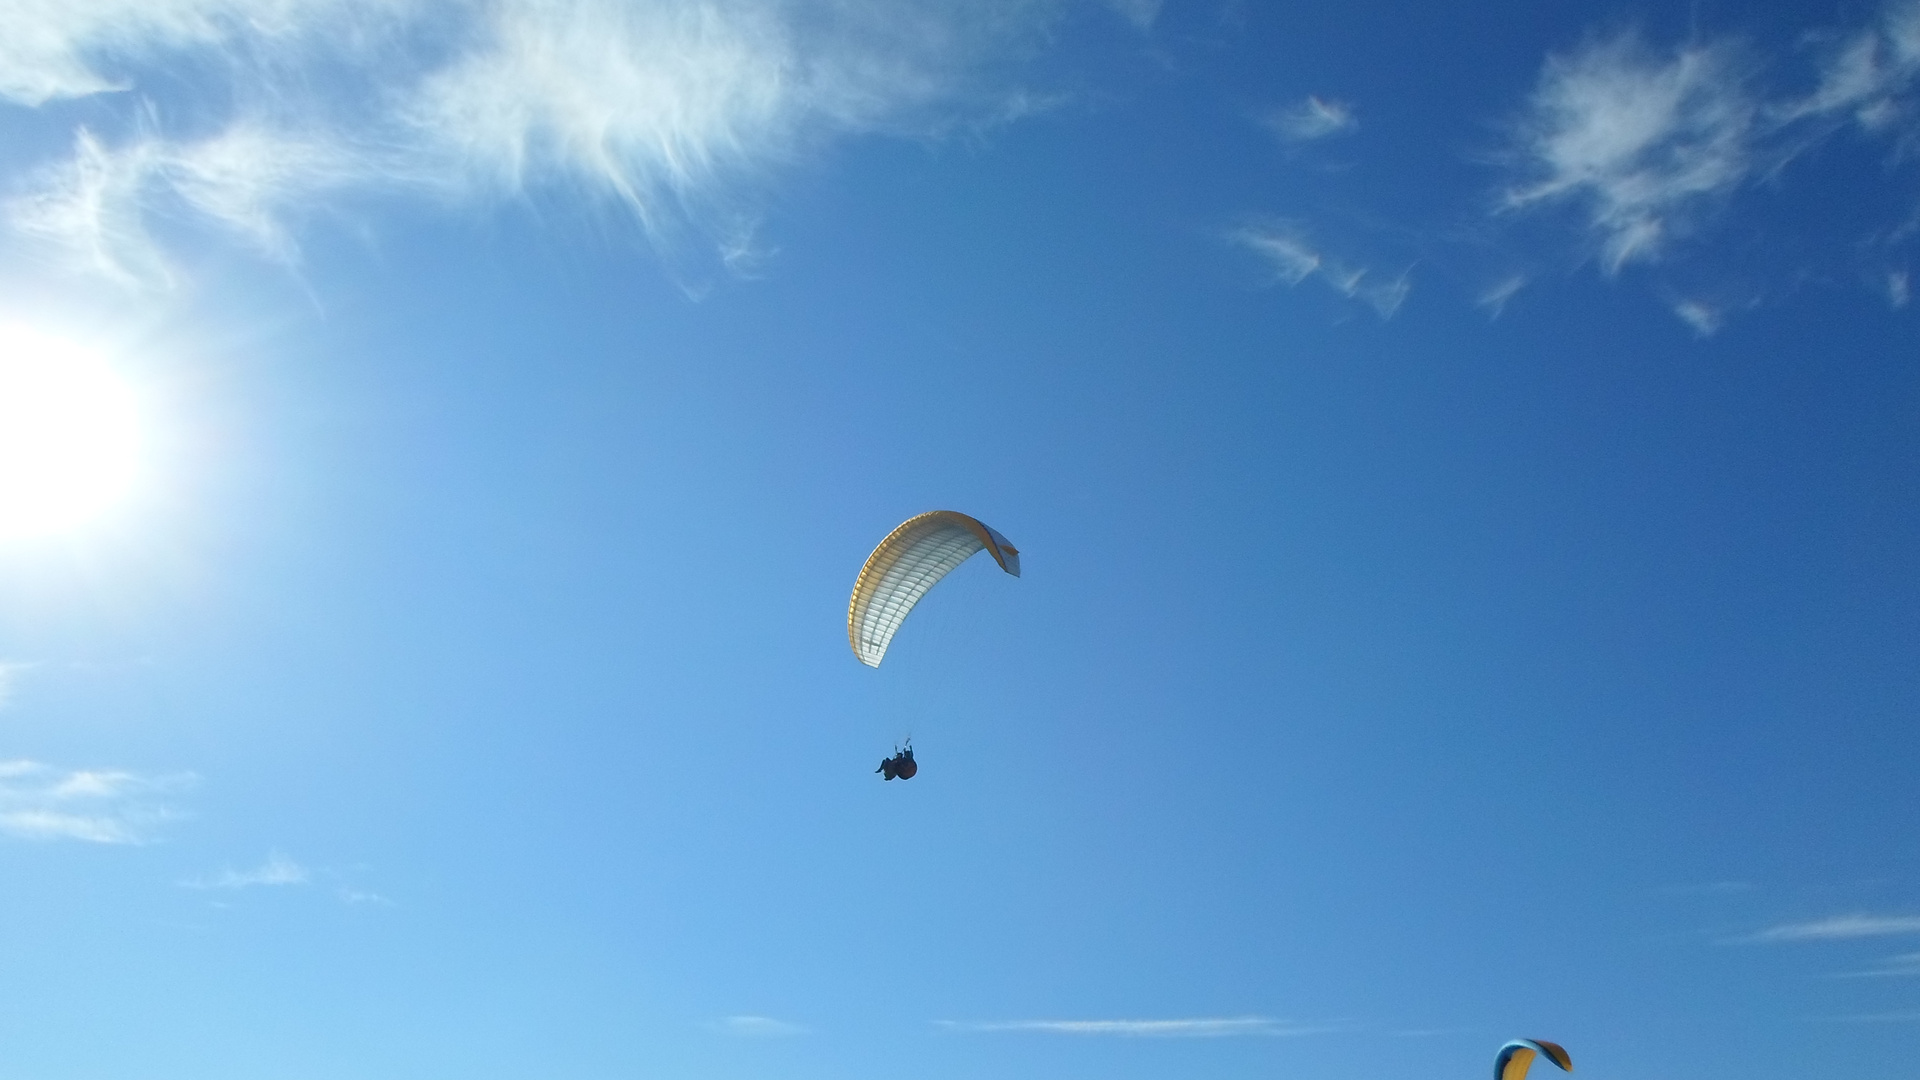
(900, 764)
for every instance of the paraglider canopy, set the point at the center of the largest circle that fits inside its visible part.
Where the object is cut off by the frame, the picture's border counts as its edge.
(1517, 1057)
(912, 559)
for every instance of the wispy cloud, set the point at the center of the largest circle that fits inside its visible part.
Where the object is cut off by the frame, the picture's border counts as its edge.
(1869, 75)
(1313, 118)
(1636, 139)
(677, 111)
(1905, 965)
(10, 671)
(1494, 297)
(278, 869)
(1649, 147)
(1200, 1028)
(54, 50)
(1140, 13)
(1842, 928)
(93, 207)
(1704, 318)
(101, 806)
(1285, 247)
(757, 1027)
(1707, 888)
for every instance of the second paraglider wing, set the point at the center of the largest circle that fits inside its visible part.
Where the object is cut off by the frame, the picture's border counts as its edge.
(1517, 1056)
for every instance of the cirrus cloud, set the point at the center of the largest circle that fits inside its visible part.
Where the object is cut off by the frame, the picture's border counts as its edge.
(98, 806)
(757, 1027)
(1635, 139)
(1190, 1028)
(1842, 928)
(1294, 258)
(1647, 146)
(1313, 118)
(278, 869)
(677, 111)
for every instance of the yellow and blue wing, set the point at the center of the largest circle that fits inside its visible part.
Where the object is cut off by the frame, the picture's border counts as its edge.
(1516, 1058)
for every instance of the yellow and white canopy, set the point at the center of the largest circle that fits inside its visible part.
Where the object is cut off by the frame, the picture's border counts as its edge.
(912, 559)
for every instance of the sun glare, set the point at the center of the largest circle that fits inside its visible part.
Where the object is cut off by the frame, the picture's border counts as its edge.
(69, 434)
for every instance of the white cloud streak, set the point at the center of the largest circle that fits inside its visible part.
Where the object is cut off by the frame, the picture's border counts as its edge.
(1874, 1018)
(1285, 247)
(100, 806)
(1201, 1028)
(53, 49)
(1494, 297)
(676, 110)
(1313, 118)
(757, 1027)
(94, 207)
(278, 869)
(1707, 888)
(1905, 965)
(643, 101)
(9, 679)
(1842, 928)
(1704, 318)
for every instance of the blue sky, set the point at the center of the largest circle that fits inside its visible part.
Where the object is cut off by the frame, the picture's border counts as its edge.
(1463, 459)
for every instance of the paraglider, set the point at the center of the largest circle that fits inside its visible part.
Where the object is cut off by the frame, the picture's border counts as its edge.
(901, 764)
(912, 559)
(1517, 1056)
